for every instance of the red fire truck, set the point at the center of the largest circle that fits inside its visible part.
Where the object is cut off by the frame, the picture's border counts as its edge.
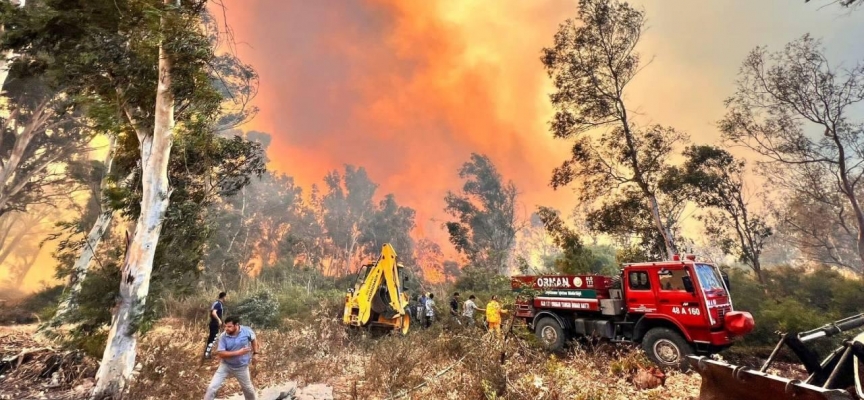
(673, 308)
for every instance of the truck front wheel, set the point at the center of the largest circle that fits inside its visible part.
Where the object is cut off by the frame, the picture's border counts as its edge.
(667, 348)
(550, 333)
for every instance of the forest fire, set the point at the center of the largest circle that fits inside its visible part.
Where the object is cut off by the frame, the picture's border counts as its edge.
(443, 147)
(409, 114)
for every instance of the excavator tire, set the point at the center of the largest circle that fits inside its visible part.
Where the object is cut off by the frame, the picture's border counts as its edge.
(667, 348)
(550, 334)
(381, 304)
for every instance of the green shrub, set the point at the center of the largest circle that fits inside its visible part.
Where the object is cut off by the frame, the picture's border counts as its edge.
(792, 300)
(476, 279)
(259, 310)
(92, 344)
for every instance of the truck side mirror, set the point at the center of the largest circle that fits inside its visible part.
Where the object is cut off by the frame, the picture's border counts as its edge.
(688, 284)
(726, 280)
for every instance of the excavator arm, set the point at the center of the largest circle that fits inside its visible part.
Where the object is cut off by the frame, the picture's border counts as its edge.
(392, 276)
(381, 292)
(366, 294)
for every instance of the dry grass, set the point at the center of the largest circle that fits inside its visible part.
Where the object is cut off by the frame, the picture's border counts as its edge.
(31, 367)
(427, 364)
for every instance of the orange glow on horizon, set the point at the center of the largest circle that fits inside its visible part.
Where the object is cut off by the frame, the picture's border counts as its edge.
(407, 90)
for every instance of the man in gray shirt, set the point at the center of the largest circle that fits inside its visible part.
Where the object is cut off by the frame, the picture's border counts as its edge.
(236, 348)
(468, 310)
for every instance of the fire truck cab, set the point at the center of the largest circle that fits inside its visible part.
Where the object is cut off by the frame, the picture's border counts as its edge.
(672, 308)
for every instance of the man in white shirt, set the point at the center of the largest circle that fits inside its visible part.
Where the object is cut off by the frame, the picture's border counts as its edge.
(468, 310)
(430, 310)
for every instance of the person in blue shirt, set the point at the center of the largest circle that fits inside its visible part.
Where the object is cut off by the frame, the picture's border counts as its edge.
(236, 348)
(216, 312)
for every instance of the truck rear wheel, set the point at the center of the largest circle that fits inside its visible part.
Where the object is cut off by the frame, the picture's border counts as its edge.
(550, 333)
(667, 348)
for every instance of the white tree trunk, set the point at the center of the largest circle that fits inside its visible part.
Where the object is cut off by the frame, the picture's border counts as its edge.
(82, 266)
(91, 245)
(4, 71)
(7, 55)
(668, 240)
(118, 361)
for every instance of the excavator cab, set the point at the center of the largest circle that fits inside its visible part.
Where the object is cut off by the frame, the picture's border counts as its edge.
(838, 376)
(361, 276)
(377, 299)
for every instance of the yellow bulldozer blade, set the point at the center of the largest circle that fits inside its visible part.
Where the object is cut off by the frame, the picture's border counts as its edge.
(722, 381)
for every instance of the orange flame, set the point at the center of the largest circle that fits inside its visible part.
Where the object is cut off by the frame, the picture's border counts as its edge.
(407, 89)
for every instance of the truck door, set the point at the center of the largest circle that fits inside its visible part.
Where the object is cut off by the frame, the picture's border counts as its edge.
(674, 300)
(640, 293)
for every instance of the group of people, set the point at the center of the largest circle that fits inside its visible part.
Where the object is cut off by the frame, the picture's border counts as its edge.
(424, 312)
(237, 346)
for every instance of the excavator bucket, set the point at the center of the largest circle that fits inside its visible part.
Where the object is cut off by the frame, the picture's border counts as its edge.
(406, 323)
(838, 376)
(722, 381)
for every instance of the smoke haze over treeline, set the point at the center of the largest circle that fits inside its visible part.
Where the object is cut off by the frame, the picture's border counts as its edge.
(408, 90)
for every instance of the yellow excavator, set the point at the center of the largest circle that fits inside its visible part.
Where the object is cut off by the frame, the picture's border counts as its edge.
(377, 299)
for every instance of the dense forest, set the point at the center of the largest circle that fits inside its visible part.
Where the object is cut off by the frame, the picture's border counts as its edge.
(125, 155)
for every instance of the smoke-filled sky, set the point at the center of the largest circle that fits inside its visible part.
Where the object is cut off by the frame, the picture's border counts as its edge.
(409, 88)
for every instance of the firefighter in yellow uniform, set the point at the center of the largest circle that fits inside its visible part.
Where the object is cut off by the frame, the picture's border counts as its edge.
(493, 315)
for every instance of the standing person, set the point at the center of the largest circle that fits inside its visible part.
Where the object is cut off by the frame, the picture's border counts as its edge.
(493, 315)
(468, 310)
(421, 308)
(236, 348)
(454, 307)
(217, 310)
(430, 310)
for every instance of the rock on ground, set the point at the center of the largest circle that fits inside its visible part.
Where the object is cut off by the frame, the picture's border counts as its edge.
(311, 392)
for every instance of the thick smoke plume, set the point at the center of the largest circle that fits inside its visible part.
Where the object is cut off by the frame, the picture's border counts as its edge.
(407, 90)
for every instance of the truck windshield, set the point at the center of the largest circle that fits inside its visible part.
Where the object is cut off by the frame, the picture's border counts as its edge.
(709, 278)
